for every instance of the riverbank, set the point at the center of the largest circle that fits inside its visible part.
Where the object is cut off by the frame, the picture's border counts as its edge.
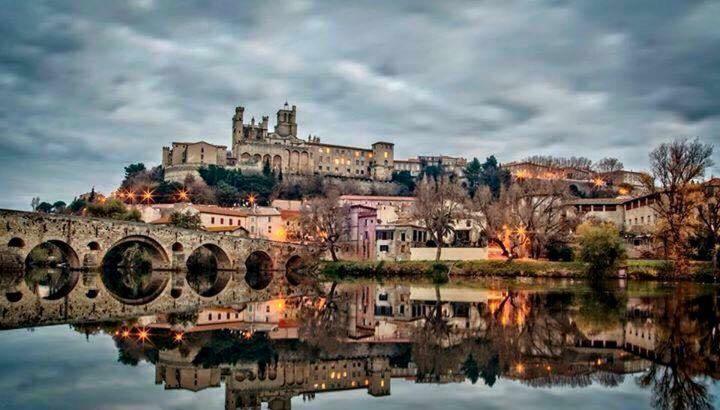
(634, 269)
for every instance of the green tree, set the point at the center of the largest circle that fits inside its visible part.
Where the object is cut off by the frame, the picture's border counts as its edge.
(185, 220)
(473, 175)
(133, 169)
(226, 194)
(493, 176)
(113, 209)
(44, 207)
(77, 205)
(59, 206)
(405, 179)
(601, 247)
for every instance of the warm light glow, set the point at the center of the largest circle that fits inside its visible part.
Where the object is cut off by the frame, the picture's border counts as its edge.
(519, 368)
(322, 386)
(599, 362)
(332, 375)
(130, 195)
(251, 199)
(125, 333)
(143, 334)
(382, 383)
(178, 337)
(623, 191)
(548, 368)
(353, 383)
(279, 234)
(280, 305)
(367, 382)
(147, 196)
(344, 374)
(182, 195)
(598, 182)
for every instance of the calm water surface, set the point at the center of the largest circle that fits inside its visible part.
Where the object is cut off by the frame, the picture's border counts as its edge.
(76, 342)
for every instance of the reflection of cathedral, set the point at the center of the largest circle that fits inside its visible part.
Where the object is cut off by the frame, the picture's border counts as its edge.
(248, 385)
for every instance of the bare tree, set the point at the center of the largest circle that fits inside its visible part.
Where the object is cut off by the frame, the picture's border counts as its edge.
(551, 161)
(676, 166)
(608, 164)
(326, 221)
(438, 205)
(525, 217)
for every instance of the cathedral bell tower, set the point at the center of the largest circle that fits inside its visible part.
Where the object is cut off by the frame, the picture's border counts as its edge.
(237, 125)
(286, 125)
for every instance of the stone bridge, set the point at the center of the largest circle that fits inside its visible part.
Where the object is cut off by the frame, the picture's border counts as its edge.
(85, 243)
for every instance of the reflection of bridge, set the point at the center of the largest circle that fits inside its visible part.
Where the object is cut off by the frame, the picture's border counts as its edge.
(86, 242)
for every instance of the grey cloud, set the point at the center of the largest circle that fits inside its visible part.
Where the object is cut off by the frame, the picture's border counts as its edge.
(95, 85)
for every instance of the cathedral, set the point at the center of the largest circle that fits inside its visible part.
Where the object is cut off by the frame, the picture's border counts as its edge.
(254, 145)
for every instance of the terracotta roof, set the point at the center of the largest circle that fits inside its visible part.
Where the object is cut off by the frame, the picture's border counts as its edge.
(219, 210)
(289, 214)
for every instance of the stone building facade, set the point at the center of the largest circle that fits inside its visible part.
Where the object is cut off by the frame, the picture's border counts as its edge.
(254, 145)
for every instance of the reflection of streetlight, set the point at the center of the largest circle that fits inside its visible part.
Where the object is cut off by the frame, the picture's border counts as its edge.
(143, 334)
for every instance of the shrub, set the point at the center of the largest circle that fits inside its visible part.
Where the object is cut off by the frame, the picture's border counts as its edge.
(601, 247)
(559, 251)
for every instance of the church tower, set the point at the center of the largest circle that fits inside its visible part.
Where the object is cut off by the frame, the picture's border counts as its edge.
(237, 127)
(286, 125)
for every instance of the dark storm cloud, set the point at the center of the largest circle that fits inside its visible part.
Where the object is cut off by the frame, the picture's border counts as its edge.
(90, 86)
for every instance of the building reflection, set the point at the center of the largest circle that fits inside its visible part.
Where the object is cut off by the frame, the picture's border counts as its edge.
(362, 336)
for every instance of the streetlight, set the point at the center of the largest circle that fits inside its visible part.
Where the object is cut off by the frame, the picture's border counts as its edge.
(147, 196)
(182, 195)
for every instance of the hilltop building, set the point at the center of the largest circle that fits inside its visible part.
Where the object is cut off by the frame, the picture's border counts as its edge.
(254, 144)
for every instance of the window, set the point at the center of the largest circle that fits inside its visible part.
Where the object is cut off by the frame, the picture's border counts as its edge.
(230, 221)
(222, 221)
(384, 248)
(212, 220)
(383, 297)
(402, 236)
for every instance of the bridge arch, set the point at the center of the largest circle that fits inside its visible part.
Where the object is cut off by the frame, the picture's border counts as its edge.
(137, 284)
(258, 270)
(69, 256)
(208, 270)
(159, 256)
(93, 246)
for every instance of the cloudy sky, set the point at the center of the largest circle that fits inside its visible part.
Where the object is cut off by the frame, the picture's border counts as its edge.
(88, 87)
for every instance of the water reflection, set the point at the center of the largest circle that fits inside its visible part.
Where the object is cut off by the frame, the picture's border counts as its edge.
(50, 283)
(363, 336)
